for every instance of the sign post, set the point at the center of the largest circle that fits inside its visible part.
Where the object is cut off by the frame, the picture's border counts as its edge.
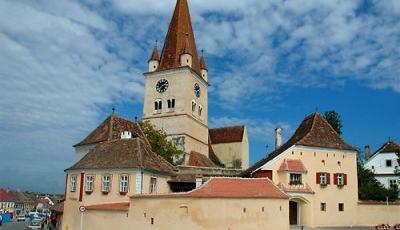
(82, 209)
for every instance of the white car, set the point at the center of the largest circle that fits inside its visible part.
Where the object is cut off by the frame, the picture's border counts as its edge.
(21, 218)
(35, 224)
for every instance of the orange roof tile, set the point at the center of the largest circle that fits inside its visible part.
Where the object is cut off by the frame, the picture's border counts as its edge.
(180, 39)
(291, 165)
(110, 206)
(218, 187)
(226, 134)
(154, 54)
(199, 160)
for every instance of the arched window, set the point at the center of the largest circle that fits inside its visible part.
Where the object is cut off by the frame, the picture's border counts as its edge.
(193, 106)
(200, 110)
(171, 104)
(158, 106)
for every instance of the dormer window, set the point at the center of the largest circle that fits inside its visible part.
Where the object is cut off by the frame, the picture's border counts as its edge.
(388, 163)
(295, 179)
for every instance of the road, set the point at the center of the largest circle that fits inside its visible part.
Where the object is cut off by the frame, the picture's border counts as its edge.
(14, 225)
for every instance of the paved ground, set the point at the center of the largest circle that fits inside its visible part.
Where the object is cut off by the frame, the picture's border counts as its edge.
(342, 228)
(14, 225)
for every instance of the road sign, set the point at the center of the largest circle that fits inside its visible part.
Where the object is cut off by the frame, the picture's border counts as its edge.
(82, 208)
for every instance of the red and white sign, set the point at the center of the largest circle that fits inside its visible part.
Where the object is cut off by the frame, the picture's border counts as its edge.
(82, 208)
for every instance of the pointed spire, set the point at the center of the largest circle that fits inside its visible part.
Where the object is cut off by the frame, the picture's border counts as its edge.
(180, 38)
(203, 61)
(154, 54)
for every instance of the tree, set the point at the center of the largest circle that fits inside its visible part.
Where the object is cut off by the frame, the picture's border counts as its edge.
(334, 119)
(159, 142)
(369, 187)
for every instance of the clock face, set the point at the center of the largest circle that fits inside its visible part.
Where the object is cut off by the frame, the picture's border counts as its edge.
(162, 86)
(197, 91)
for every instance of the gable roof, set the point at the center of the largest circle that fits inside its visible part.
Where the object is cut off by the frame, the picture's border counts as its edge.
(179, 39)
(219, 187)
(226, 134)
(6, 196)
(124, 154)
(389, 147)
(292, 165)
(314, 131)
(111, 129)
(199, 160)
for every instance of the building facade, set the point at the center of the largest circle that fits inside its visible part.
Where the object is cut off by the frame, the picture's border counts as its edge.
(384, 163)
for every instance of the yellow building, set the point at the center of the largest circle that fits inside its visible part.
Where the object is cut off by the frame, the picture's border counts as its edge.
(318, 170)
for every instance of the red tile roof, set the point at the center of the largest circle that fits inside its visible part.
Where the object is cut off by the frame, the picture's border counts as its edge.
(180, 38)
(388, 147)
(314, 131)
(199, 160)
(5, 196)
(226, 134)
(124, 154)
(109, 207)
(111, 129)
(229, 188)
(291, 165)
(154, 54)
(58, 208)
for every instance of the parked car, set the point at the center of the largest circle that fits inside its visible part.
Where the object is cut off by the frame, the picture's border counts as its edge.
(21, 218)
(35, 224)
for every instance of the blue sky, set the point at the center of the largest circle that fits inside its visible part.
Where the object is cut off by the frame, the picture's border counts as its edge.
(65, 64)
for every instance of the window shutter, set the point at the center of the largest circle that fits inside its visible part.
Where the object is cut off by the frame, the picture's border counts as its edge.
(318, 178)
(328, 178)
(344, 179)
(335, 178)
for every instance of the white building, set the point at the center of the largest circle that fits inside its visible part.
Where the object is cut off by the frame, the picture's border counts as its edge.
(384, 163)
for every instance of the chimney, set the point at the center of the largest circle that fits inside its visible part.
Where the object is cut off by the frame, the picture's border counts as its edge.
(126, 135)
(367, 152)
(278, 137)
(199, 181)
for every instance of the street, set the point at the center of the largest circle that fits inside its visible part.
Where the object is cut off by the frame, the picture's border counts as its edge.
(14, 225)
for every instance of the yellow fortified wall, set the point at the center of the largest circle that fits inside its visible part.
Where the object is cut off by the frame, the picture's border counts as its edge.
(374, 214)
(193, 213)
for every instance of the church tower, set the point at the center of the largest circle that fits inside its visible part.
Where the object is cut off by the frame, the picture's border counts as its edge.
(176, 89)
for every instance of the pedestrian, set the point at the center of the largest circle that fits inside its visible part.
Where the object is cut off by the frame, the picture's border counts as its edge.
(1, 219)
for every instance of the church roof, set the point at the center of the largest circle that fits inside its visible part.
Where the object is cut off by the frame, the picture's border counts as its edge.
(219, 187)
(124, 154)
(180, 39)
(314, 131)
(154, 54)
(213, 157)
(111, 129)
(199, 160)
(226, 134)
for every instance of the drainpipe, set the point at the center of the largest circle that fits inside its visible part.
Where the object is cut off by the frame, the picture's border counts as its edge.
(141, 181)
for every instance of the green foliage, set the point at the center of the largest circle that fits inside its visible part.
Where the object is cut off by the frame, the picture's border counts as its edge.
(334, 120)
(370, 189)
(159, 143)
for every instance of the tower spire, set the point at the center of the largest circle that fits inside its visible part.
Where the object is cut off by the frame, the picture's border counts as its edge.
(180, 38)
(154, 54)
(203, 61)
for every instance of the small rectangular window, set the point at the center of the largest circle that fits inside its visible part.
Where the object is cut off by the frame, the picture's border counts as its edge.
(323, 207)
(341, 207)
(340, 179)
(388, 163)
(89, 183)
(73, 183)
(105, 185)
(153, 185)
(123, 184)
(295, 178)
(323, 179)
